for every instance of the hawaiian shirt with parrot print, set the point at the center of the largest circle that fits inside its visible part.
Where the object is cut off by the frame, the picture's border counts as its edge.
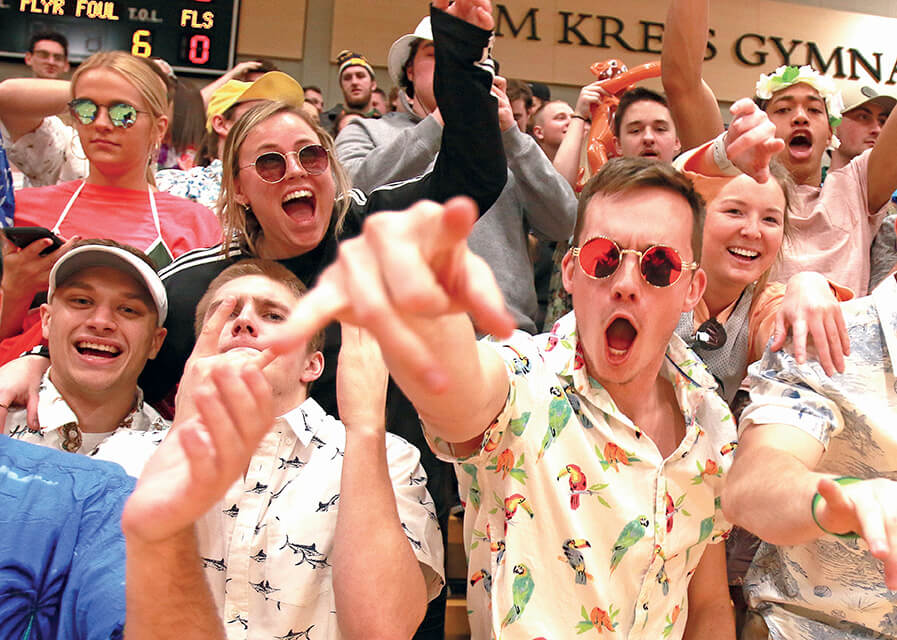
(573, 521)
(266, 545)
(832, 587)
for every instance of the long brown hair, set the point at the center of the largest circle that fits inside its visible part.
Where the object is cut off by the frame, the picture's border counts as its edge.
(239, 222)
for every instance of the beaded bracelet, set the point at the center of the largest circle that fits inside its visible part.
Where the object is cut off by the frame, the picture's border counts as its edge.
(842, 480)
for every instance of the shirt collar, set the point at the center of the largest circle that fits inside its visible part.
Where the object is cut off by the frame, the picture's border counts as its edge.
(885, 298)
(305, 420)
(54, 412)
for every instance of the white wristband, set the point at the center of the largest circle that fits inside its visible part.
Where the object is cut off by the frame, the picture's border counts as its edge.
(720, 158)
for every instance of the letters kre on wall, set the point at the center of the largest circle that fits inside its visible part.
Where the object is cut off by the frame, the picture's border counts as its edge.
(556, 40)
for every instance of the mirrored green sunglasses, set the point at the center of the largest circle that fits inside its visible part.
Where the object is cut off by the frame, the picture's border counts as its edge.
(121, 114)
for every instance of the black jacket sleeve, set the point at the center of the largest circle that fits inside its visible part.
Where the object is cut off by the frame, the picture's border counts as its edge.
(471, 159)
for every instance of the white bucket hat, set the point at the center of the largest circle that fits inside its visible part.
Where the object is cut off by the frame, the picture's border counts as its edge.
(401, 49)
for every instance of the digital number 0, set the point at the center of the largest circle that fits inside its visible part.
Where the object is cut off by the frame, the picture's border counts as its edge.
(200, 45)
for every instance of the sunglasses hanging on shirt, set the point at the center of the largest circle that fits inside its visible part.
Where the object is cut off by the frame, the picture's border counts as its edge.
(710, 336)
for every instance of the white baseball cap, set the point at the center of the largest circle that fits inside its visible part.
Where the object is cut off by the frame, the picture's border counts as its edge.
(98, 255)
(855, 95)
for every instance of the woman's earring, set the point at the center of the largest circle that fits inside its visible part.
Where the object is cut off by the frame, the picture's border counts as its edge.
(153, 154)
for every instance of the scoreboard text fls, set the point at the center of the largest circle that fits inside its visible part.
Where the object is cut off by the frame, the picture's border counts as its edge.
(193, 36)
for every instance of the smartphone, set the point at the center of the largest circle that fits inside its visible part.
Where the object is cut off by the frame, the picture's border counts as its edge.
(24, 236)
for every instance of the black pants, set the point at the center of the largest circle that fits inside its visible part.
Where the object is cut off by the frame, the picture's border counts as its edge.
(433, 626)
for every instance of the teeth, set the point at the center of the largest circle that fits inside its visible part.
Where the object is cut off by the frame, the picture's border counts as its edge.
(747, 253)
(296, 195)
(95, 346)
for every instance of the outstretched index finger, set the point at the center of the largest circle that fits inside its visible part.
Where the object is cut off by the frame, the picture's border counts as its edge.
(314, 311)
(468, 280)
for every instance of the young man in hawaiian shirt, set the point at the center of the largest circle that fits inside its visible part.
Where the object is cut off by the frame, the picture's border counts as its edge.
(816, 462)
(103, 321)
(592, 458)
(330, 532)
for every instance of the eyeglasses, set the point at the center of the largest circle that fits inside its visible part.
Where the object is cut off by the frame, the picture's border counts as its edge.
(660, 265)
(272, 166)
(121, 114)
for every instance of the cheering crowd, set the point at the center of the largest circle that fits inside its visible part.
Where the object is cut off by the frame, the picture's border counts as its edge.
(255, 351)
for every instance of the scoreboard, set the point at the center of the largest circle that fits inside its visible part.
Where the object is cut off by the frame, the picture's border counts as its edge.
(193, 36)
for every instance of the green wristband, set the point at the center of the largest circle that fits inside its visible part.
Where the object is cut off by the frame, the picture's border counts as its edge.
(843, 480)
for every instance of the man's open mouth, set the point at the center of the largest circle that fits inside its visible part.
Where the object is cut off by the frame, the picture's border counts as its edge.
(620, 336)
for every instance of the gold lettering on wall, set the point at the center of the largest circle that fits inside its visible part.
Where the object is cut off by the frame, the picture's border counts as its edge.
(555, 41)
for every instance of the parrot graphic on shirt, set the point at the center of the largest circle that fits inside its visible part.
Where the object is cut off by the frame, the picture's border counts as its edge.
(510, 505)
(575, 559)
(473, 495)
(521, 591)
(631, 533)
(706, 528)
(485, 576)
(577, 483)
(559, 413)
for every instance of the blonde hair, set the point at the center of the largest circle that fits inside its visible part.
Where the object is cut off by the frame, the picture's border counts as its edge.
(142, 74)
(239, 222)
(782, 176)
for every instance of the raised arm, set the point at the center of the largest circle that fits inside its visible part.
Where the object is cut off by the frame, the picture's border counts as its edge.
(566, 160)
(548, 200)
(471, 159)
(692, 102)
(237, 73)
(25, 102)
(882, 172)
(748, 146)
(367, 508)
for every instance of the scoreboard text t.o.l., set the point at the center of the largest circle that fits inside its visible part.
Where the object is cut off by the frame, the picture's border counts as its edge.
(193, 36)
